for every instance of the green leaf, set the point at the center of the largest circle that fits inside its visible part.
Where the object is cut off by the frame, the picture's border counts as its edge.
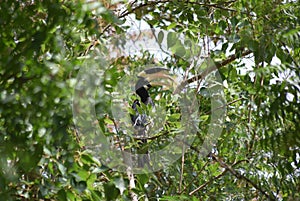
(139, 14)
(174, 117)
(87, 158)
(160, 37)
(111, 192)
(98, 170)
(224, 47)
(81, 186)
(178, 49)
(218, 30)
(96, 195)
(109, 121)
(253, 45)
(61, 168)
(70, 196)
(120, 184)
(61, 195)
(234, 21)
(171, 39)
(222, 24)
(233, 74)
(204, 117)
(83, 174)
(172, 25)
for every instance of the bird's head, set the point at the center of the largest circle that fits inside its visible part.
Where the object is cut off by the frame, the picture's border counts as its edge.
(155, 76)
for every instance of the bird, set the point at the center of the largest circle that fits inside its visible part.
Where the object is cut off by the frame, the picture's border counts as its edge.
(155, 76)
(146, 79)
(140, 120)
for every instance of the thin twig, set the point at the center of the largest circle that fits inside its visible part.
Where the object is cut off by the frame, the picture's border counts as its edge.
(150, 3)
(182, 167)
(118, 133)
(208, 182)
(77, 137)
(198, 173)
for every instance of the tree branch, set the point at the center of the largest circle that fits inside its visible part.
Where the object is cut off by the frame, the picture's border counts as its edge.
(215, 5)
(149, 3)
(210, 69)
(152, 3)
(208, 182)
(182, 166)
(239, 176)
(230, 169)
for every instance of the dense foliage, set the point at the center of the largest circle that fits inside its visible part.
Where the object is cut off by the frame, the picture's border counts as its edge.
(255, 46)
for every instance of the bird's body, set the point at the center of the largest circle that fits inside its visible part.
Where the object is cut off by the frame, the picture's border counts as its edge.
(137, 119)
(141, 90)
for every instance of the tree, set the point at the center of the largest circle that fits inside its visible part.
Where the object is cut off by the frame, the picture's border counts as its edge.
(254, 46)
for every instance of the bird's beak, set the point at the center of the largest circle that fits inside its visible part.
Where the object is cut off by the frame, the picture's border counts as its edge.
(160, 77)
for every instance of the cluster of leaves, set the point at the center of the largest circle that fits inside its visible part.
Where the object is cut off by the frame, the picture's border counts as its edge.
(256, 157)
(40, 41)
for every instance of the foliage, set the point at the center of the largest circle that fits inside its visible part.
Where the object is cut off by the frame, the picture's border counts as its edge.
(255, 45)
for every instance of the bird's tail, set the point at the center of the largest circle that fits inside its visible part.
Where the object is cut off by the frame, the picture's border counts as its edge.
(143, 158)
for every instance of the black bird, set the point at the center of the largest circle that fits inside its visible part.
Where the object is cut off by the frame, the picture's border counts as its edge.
(140, 121)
